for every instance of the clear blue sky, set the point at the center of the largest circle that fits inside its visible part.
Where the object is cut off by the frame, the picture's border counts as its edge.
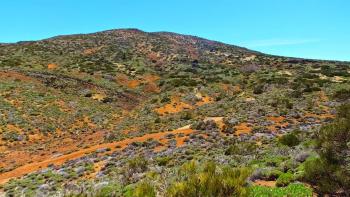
(301, 28)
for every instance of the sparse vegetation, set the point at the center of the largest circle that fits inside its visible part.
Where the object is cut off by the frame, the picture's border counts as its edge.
(129, 113)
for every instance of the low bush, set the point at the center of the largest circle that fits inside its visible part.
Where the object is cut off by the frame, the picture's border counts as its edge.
(144, 189)
(284, 179)
(289, 140)
(293, 190)
(210, 180)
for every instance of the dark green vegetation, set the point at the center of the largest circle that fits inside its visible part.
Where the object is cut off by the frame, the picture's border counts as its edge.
(256, 125)
(330, 171)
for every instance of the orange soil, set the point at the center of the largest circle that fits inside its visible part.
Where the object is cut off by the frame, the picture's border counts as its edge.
(230, 89)
(97, 168)
(180, 141)
(16, 75)
(18, 154)
(15, 103)
(92, 50)
(174, 106)
(151, 78)
(99, 97)
(52, 66)
(278, 122)
(125, 81)
(243, 128)
(151, 87)
(205, 100)
(321, 116)
(159, 148)
(134, 83)
(323, 97)
(276, 119)
(14, 128)
(218, 120)
(265, 183)
(32, 167)
(63, 106)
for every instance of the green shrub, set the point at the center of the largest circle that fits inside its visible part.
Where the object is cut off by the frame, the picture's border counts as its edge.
(242, 148)
(163, 161)
(342, 94)
(209, 180)
(272, 175)
(138, 164)
(144, 189)
(330, 172)
(289, 140)
(284, 179)
(258, 89)
(109, 190)
(293, 190)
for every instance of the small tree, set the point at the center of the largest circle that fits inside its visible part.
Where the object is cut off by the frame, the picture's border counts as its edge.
(331, 171)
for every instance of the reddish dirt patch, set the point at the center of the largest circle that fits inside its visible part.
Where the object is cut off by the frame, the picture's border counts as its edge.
(265, 183)
(180, 141)
(276, 119)
(151, 78)
(278, 123)
(125, 81)
(133, 84)
(16, 75)
(204, 100)
(92, 51)
(228, 88)
(52, 66)
(151, 86)
(218, 120)
(32, 167)
(174, 106)
(320, 116)
(97, 168)
(243, 128)
(159, 148)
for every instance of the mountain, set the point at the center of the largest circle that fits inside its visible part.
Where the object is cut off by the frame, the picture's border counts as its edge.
(126, 112)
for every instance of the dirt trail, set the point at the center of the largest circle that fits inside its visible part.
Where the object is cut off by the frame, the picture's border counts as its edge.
(32, 167)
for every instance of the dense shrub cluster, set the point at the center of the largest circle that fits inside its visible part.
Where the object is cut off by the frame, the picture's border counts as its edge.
(209, 180)
(330, 171)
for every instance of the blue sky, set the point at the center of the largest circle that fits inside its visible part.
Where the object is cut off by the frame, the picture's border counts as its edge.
(300, 28)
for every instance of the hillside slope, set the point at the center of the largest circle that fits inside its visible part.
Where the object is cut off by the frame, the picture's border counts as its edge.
(124, 107)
